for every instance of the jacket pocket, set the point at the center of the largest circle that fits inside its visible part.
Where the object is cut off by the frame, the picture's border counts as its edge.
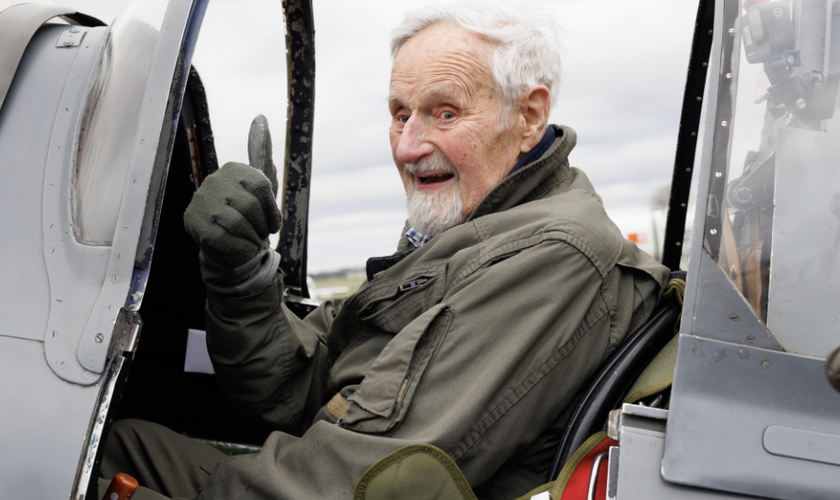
(385, 394)
(405, 301)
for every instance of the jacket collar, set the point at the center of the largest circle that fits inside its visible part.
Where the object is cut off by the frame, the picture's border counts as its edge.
(532, 180)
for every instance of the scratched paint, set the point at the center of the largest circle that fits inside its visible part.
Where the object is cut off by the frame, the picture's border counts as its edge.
(300, 59)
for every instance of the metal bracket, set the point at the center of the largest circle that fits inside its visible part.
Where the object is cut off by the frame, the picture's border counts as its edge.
(71, 38)
(300, 305)
(126, 333)
(634, 468)
(636, 415)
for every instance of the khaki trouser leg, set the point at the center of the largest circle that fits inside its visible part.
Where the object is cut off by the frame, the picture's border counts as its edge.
(159, 458)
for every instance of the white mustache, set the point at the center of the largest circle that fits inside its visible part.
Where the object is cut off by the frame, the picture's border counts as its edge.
(435, 162)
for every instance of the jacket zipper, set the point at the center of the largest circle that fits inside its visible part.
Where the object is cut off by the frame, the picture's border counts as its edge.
(413, 284)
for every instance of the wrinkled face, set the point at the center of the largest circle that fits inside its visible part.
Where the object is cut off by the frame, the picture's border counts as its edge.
(443, 132)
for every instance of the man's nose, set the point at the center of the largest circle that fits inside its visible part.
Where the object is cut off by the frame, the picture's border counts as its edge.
(413, 143)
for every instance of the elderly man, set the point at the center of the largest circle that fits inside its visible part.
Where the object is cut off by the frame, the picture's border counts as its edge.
(511, 287)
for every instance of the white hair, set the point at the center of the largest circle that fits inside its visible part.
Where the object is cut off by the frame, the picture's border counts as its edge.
(528, 46)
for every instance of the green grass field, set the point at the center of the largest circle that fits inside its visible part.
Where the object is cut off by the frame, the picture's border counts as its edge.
(352, 285)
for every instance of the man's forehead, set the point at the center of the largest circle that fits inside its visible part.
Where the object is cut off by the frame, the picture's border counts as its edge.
(445, 36)
(444, 44)
(441, 62)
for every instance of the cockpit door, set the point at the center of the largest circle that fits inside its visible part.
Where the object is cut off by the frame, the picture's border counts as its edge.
(86, 131)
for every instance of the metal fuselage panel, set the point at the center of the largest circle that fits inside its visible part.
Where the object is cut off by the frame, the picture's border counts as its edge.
(26, 124)
(44, 421)
(44, 418)
(751, 410)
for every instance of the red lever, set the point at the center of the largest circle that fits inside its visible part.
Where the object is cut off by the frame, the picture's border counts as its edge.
(122, 487)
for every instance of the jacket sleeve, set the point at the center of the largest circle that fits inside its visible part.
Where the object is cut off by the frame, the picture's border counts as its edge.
(481, 376)
(269, 361)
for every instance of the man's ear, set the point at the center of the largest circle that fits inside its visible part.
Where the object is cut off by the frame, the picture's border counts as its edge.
(534, 106)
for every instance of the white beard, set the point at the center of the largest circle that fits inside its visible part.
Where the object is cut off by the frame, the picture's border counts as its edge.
(433, 213)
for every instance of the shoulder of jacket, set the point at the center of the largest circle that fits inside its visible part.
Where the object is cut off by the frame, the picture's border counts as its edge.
(570, 212)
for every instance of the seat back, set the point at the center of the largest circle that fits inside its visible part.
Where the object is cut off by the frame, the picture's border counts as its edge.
(609, 386)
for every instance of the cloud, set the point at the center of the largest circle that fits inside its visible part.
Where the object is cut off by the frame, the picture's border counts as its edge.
(348, 188)
(625, 67)
(347, 241)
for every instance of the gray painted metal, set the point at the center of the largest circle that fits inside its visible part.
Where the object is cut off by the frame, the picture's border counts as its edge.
(713, 307)
(722, 313)
(725, 397)
(26, 125)
(92, 352)
(17, 25)
(61, 297)
(71, 37)
(634, 467)
(126, 333)
(45, 420)
(703, 179)
(75, 271)
(96, 428)
(638, 416)
(44, 417)
(798, 443)
(803, 308)
(644, 411)
(612, 472)
(746, 417)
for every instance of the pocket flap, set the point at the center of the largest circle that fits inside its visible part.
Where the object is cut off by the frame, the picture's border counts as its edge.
(401, 361)
(410, 299)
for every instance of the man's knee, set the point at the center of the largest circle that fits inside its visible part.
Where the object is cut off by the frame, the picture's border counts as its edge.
(126, 435)
(129, 445)
(132, 428)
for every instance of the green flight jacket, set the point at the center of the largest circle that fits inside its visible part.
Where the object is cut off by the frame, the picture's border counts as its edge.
(476, 343)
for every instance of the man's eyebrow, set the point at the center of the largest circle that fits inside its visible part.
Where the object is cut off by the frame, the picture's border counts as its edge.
(432, 94)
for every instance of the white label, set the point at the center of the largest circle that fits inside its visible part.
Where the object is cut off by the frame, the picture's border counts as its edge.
(197, 359)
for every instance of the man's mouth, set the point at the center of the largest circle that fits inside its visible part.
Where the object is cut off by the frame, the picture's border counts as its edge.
(433, 177)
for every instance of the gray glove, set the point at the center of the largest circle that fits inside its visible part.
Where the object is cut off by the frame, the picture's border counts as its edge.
(232, 214)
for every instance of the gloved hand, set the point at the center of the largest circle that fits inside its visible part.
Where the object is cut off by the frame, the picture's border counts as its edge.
(232, 214)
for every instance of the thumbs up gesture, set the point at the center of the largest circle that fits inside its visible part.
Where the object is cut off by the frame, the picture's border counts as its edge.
(233, 212)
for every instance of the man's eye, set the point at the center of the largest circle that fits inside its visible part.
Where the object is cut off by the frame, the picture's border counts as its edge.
(448, 115)
(402, 118)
